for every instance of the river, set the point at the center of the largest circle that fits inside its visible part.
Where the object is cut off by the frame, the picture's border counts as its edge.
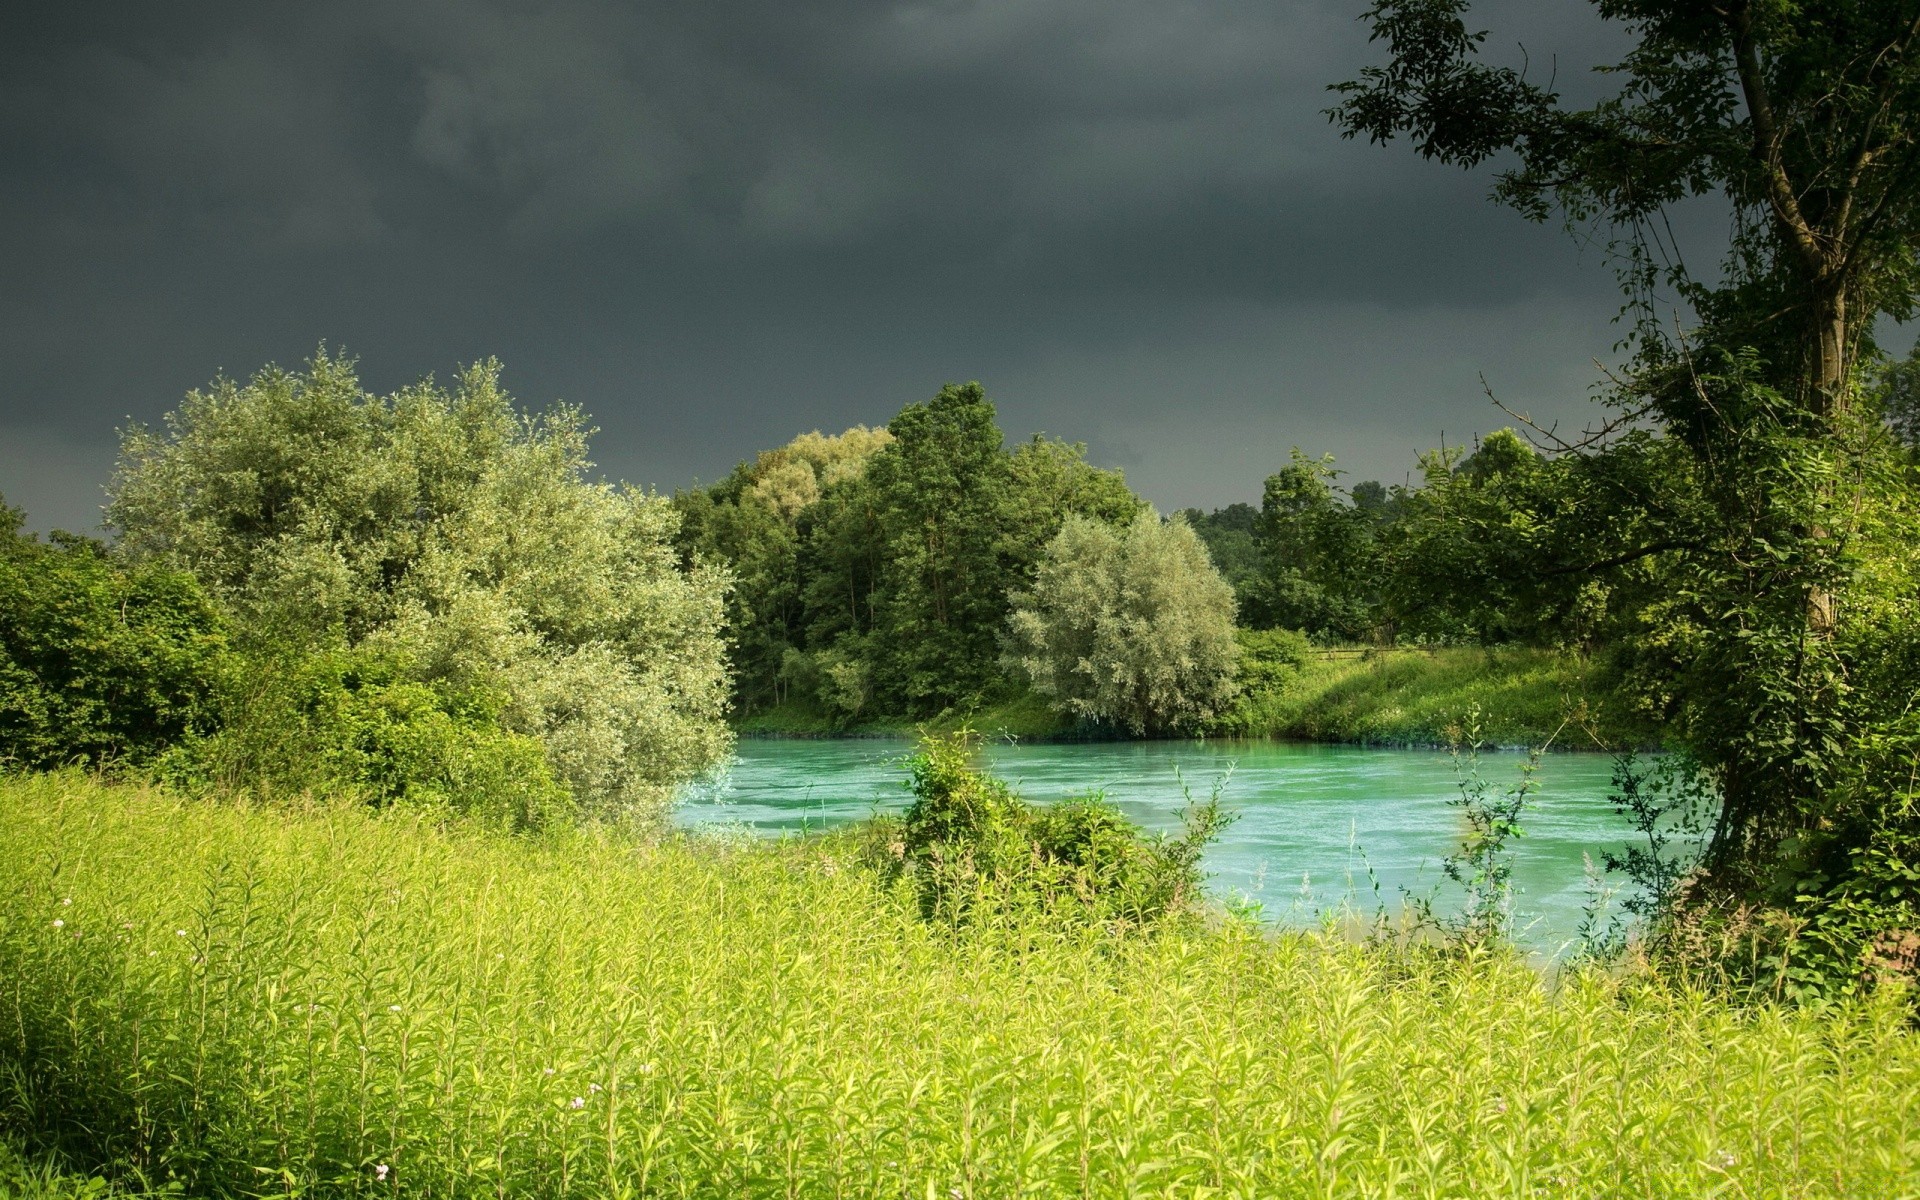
(1317, 828)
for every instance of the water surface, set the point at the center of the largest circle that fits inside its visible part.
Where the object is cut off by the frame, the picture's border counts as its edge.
(1317, 826)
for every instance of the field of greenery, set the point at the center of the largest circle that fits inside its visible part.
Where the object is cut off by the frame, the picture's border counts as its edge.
(1525, 696)
(247, 1001)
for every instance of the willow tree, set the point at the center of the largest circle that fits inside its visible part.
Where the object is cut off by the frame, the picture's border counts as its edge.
(1789, 576)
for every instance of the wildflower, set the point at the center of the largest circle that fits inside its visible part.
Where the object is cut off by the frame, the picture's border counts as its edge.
(646, 1068)
(151, 953)
(393, 1008)
(578, 1102)
(1723, 1159)
(179, 933)
(380, 1172)
(126, 924)
(593, 1087)
(548, 1071)
(58, 923)
(66, 900)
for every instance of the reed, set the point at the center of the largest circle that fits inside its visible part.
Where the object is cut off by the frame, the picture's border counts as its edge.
(329, 1002)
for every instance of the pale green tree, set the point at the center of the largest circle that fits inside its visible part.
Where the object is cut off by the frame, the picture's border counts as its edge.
(442, 528)
(1131, 626)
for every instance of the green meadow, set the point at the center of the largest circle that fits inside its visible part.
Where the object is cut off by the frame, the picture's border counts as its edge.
(247, 1001)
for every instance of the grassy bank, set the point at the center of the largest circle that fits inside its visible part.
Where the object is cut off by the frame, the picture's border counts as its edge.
(1394, 697)
(330, 1003)
(1411, 697)
(1026, 715)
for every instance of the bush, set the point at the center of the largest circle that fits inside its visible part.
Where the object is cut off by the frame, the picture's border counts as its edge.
(970, 845)
(442, 531)
(355, 723)
(1131, 626)
(98, 664)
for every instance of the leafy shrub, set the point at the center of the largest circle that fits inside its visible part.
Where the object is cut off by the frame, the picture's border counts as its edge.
(970, 845)
(98, 664)
(357, 723)
(444, 531)
(1130, 626)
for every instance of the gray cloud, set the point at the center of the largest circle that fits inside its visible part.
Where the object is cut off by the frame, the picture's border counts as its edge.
(715, 225)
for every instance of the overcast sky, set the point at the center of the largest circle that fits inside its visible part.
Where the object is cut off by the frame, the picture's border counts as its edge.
(715, 225)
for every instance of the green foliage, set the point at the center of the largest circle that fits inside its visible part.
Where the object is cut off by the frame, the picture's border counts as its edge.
(1229, 537)
(25, 1176)
(1409, 697)
(971, 847)
(1321, 566)
(586, 1017)
(1131, 627)
(441, 531)
(99, 664)
(793, 528)
(1493, 818)
(359, 723)
(875, 567)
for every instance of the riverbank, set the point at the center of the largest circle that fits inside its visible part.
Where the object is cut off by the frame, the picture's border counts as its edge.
(1352, 695)
(347, 1003)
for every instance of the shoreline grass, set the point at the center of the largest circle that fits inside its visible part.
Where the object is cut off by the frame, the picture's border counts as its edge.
(330, 1002)
(1365, 696)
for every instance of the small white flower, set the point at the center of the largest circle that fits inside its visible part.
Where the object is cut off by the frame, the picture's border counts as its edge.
(646, 1068)
(548, 1071)
(66, 899)
(179, 933)
(380, 1172)
(1724, 1158)
(393, 1008)
(58, 923)
(151, 953)
(593, 1087)
(126, 924)
(577, 1102)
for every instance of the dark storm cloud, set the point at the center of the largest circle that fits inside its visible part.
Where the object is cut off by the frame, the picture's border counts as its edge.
(716, 225)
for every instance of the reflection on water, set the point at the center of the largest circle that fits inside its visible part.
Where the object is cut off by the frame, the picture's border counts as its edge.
(1318, 826)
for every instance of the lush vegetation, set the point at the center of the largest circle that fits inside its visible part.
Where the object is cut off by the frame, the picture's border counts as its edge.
(1525, 696)
(99, 664)
(1130, 627)
(1742, 526)
(336, 1002)
(878, 571)
(420, 597)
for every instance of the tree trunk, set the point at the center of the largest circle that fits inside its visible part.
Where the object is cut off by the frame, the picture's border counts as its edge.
(1830, 397)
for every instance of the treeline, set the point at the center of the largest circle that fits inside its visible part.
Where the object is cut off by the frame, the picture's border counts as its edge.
(421, 598)
(1472, 553)
(930, 568)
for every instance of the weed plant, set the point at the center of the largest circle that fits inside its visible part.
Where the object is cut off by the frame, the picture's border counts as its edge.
(337, 1002)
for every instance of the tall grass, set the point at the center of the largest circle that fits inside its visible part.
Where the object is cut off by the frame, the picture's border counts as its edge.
(1410, 697)
(333, 1003)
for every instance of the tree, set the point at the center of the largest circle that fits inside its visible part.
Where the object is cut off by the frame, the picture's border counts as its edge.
(1228, 534)
(1129, 626)
(442, 530)
(1776, 519)
(758, 522)
(1802, 117)
(1321, 569)
(99, 664)
(964, 524)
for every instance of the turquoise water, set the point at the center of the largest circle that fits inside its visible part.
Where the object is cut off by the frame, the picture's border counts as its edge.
(1311, 820)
